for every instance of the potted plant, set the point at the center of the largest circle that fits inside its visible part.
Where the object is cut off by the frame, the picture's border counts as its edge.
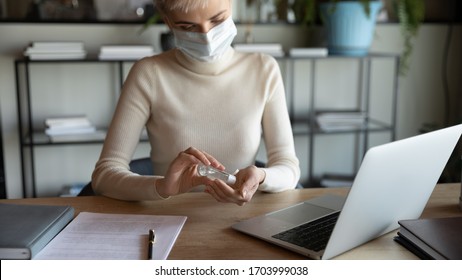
(410, 14)
(350, 25)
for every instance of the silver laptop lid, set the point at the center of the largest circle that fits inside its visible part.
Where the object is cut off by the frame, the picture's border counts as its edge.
(394, 182)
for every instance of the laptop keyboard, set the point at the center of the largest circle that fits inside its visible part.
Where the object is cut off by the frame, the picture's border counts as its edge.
(312, 235)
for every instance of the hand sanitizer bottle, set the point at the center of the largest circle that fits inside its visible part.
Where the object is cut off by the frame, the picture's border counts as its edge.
(213, 173)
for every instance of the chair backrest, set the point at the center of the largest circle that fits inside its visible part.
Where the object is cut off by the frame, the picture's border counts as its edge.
(142, 166)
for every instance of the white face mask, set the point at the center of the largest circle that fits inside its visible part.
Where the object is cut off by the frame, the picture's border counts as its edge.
(207, 46)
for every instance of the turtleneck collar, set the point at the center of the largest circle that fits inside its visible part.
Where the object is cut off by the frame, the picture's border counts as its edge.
(205, 68)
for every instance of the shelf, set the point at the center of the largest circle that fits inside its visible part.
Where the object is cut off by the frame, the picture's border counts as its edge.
(41, 139)
(95, 59)
(303, 127)
(88, 59)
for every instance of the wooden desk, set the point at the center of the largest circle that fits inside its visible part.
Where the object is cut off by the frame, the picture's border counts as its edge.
(207, 233)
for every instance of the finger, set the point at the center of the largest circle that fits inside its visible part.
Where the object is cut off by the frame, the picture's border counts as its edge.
(247, 184)
(205, 157)
(220, 191)
(226, 193)
(187, 158)
(213, 161)
(229, 194)
(202, 180)
(210, 190)
(248, 189)
(201, 156)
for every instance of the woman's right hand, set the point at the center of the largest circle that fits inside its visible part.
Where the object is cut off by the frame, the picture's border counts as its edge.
(182, 176)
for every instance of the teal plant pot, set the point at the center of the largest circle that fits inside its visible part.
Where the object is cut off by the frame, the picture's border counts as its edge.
(349, 29)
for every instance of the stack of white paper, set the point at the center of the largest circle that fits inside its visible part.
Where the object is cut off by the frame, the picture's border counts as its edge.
(275, 50)
(308, 52)
(129, 52)
(334, 121)
(55, 51)
(71, 128)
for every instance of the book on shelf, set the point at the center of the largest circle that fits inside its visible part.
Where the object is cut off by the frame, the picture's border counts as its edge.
(26, 229)
(57, 56)
(57, 45)
(308, 52)
(275, 50)
(339, 121)
(67, 121)
(55, 50)
(90, 236)
(432, 238)
(68, 125)
(72, 128)
(97, 135)
(135, 52)
(126, 49)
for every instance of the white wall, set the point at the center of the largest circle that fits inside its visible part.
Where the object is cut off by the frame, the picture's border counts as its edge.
(421, 96)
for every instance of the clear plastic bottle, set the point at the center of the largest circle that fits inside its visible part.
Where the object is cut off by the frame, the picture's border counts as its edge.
(213, 173)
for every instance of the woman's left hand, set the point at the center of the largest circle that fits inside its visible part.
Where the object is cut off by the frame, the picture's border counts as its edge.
(247, 182)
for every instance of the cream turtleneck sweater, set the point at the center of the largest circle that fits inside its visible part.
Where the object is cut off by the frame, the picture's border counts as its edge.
(220, 107)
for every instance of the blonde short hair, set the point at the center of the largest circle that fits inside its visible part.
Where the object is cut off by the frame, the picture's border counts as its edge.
(165, 6)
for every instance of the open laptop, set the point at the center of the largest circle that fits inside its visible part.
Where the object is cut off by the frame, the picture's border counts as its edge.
(394, 183)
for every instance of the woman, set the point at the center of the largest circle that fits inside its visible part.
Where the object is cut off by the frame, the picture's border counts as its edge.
(200, 103)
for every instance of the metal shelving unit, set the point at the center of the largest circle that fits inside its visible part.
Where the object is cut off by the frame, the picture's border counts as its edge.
(30, 137)
(307, 124)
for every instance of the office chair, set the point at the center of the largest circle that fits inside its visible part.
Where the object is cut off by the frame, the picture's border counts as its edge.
(142, 166)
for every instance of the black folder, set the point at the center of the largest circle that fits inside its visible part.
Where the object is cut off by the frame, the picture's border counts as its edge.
(436, 238)
(26, 229)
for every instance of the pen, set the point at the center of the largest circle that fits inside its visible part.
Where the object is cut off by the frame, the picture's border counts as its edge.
(152, 240)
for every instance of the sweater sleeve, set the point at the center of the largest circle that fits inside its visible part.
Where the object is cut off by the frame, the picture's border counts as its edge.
(111, 176)
(282, 171)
